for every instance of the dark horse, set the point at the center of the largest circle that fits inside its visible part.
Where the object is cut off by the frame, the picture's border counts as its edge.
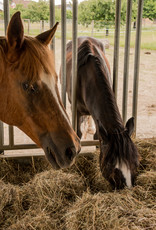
(118, 154)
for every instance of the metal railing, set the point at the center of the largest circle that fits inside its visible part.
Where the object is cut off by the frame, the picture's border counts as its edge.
(12, 145)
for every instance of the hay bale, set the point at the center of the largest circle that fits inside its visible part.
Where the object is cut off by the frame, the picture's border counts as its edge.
(33, 221)
(109, 211)
(147, 180)
(145, 189)
(34, 197)
(17, 173)
(10, 204)
(87, 166)
(45, 199)
(147, 151)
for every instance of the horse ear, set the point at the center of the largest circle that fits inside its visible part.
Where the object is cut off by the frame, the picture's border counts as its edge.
(48, 35)
(15, 31)
(130, 126)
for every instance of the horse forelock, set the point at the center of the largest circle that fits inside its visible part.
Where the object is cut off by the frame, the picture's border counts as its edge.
(120, 150)
(34, 59)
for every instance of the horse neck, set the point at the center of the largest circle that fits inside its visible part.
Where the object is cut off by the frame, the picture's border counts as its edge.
(99, 98)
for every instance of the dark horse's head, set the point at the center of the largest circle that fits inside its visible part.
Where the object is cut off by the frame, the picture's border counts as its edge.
(119, 156)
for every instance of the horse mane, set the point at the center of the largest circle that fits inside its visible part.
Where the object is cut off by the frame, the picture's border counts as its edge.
(89, 52)
(33, 58)
(119, 144)
(85, 50)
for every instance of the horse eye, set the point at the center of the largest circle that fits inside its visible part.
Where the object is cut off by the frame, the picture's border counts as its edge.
(34, 88)
(25, 86)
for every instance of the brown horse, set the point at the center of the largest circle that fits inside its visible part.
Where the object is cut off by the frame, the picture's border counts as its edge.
(29, 97)
(118, 154)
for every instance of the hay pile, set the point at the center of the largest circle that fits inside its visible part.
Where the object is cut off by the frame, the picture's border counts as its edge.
(34, 196)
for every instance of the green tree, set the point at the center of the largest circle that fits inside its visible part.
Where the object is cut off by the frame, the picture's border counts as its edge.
(57, 14)
(19, 7)
(97, 10)
(149, 9)
(37, 11)
(103, 11)
(69, 14)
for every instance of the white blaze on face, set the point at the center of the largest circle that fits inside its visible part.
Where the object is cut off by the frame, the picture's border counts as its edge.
(50, 82)
(126, 172)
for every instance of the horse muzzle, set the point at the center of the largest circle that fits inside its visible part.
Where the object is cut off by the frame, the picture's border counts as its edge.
(60, 156)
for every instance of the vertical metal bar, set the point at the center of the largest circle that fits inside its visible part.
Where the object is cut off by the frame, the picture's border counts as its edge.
(116, 47)
(42, 22)
(11, 136)
(126, 60)
(74, 66)
(6, 14)
(28, 26)
(63, 51)
(137, 61)
(52, 22)
(1, 134)
(92, 33)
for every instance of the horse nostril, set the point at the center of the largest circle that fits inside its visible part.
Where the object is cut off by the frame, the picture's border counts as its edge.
(70, 153)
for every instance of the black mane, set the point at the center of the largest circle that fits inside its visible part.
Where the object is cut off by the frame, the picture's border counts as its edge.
(89, 52)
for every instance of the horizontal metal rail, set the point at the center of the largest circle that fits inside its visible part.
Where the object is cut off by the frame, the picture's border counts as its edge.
(12, 145)
(34, 146)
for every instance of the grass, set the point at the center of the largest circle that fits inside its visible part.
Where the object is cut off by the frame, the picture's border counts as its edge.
(148, 39)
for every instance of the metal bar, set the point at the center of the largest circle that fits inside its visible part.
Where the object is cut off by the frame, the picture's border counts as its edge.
(52, 22)
(137, 61)
(15, 147)
(74, 66)
(1, 134)
(42, 25)
(11, 136)
(6, 14)
(126, 61)
(33, 146)
(28, 26)
(92, 33)
(21, 155)
(63, 51)
(116, 47)
(90, 143)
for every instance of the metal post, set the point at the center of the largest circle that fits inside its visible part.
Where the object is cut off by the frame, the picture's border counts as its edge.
(126, 60)
(63, 51)
(116, 47)
(28, 26)
(137, 61)
(52, 22)
(41, 26)
(1, 134)
(6, 14)
(74, 66)
(11, 136)
(92, 33)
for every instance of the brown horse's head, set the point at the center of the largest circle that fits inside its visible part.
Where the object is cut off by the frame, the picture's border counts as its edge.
(29, 95)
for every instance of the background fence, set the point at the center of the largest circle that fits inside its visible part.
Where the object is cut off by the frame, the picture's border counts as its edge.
(72, 30)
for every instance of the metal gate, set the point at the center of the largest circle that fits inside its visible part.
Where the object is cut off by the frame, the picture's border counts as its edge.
(12, 145)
